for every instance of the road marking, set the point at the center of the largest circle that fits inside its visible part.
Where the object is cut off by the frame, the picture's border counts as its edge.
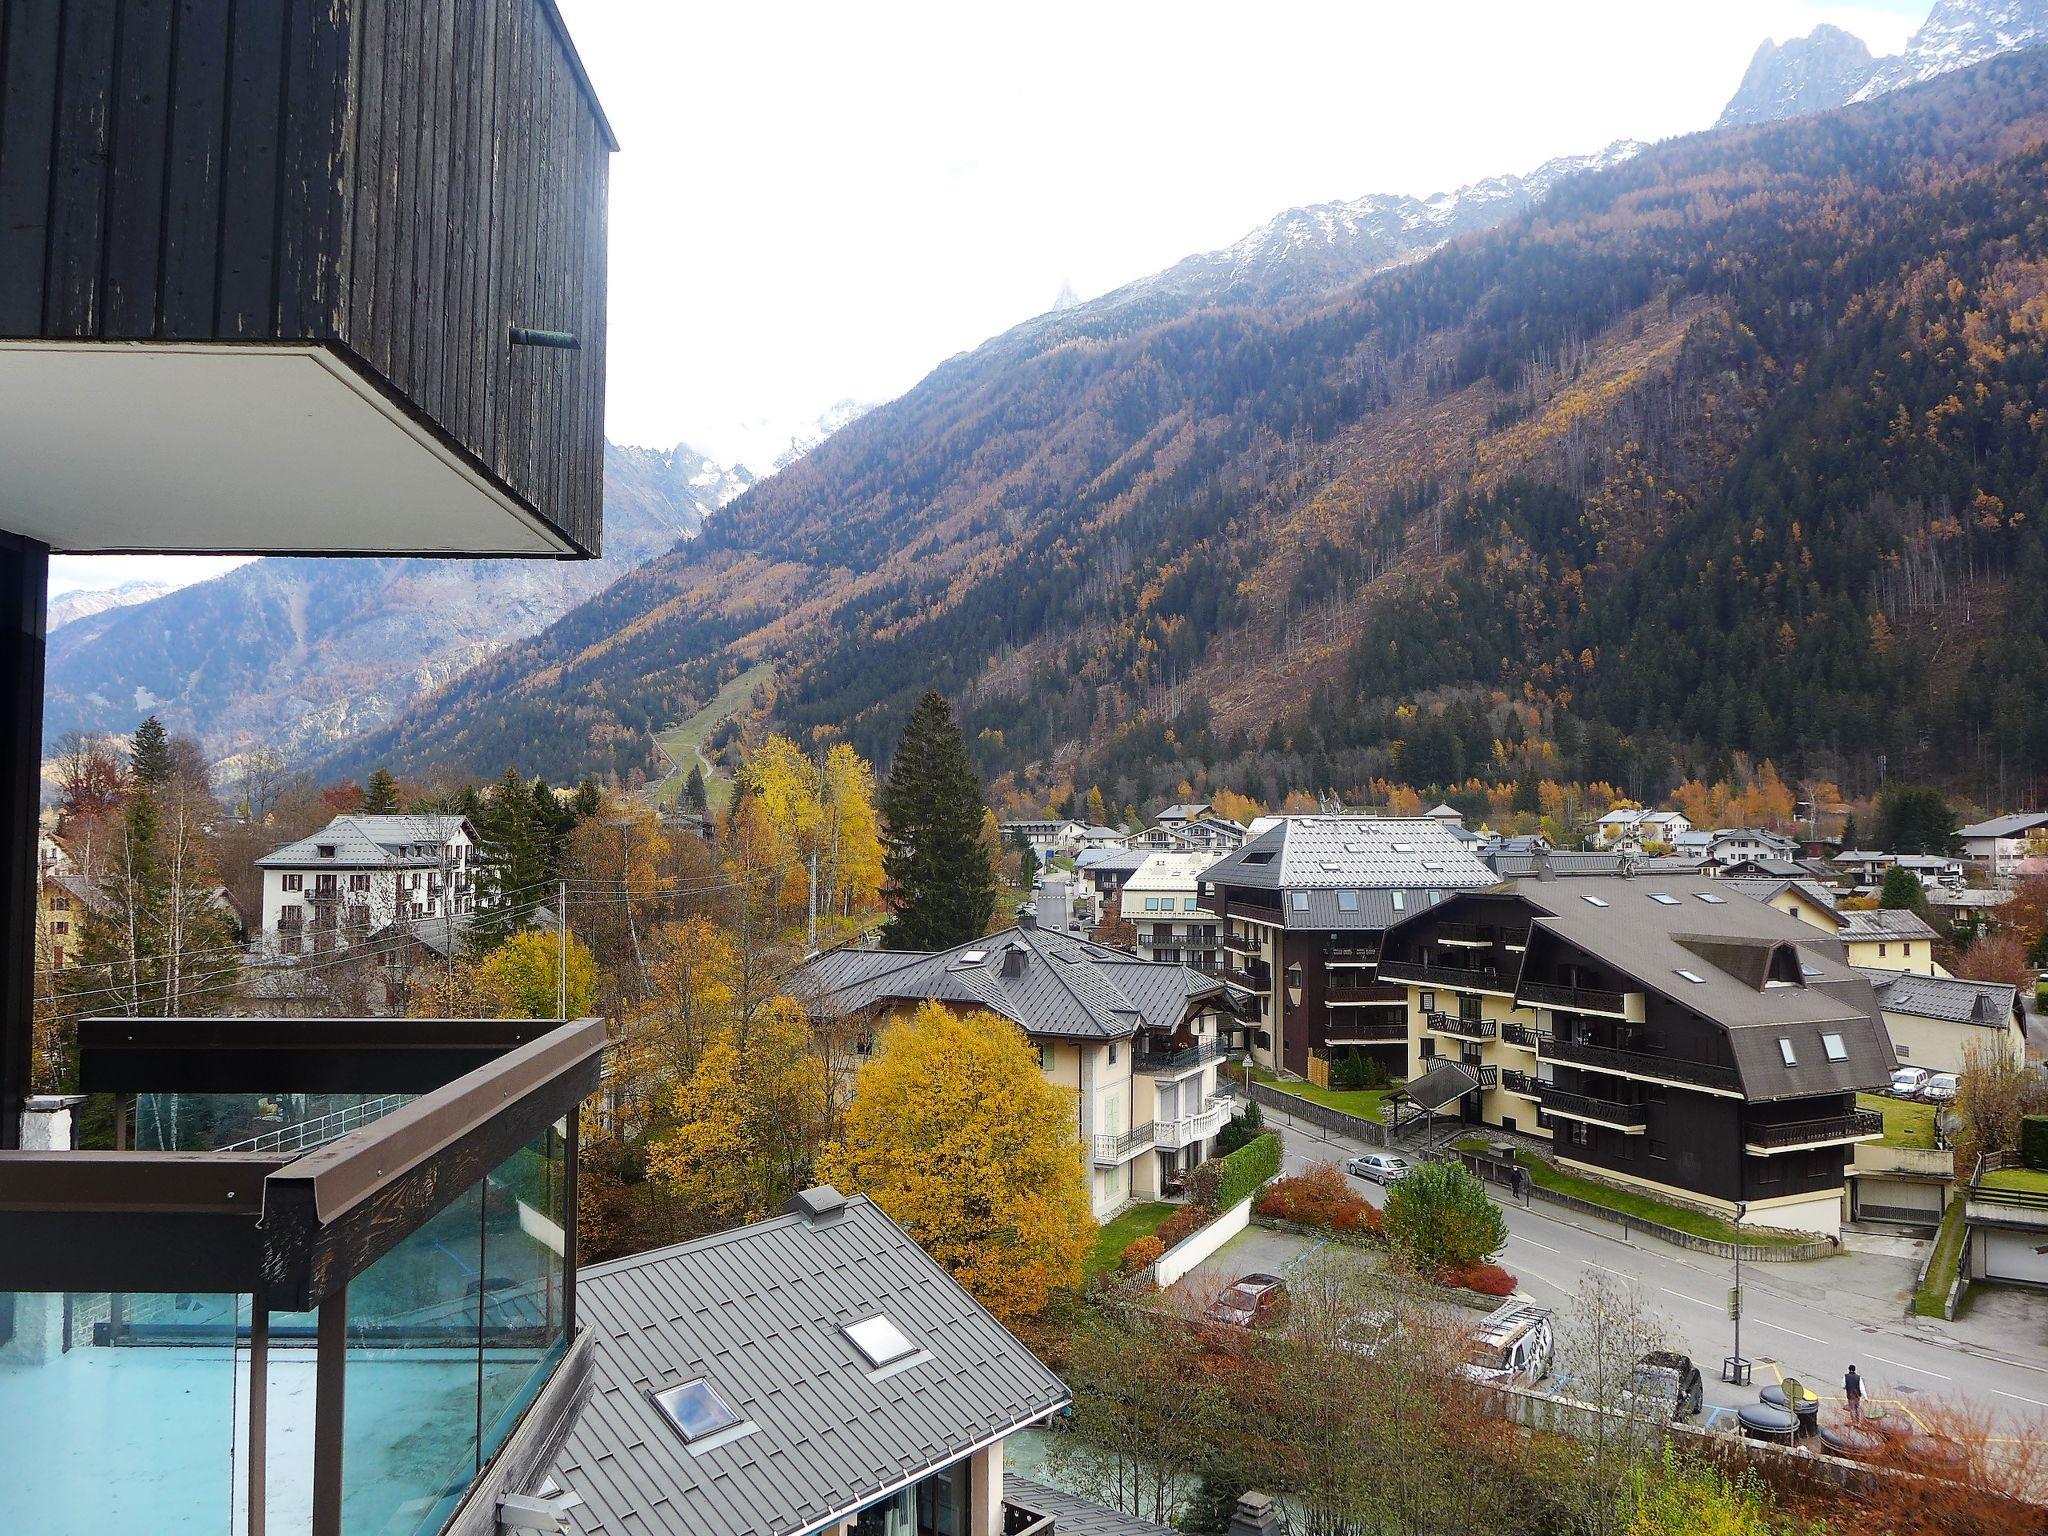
(1710, 1306)
(1516, 1236)
(1915, 1369)
(2035, 1401)
(1781, 1328)
(1611, 1270)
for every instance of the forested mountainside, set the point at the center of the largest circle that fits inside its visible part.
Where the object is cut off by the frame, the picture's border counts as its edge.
(296, 654)
(1737, 445)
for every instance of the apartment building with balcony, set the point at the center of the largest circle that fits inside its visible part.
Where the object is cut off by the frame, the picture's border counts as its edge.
(1162, 901)
(1302, 907)
(313, 280)
(1138, 1042)
(1663, 1031)
(363, 875)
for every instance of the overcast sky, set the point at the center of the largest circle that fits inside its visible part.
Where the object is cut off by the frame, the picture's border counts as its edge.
(816, 202)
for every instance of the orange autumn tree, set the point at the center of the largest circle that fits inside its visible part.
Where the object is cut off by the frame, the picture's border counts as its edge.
(955, 1133)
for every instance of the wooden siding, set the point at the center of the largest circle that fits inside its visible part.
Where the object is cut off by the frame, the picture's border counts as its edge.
(404, 181)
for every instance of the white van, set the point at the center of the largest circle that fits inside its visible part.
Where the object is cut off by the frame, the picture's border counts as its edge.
(1512, 1345)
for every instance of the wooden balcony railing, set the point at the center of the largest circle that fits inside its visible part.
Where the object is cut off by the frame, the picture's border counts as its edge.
(1574, 999)
(1856, 1125)
(1579, 1106)
(1475, 978)
(1645, 1064)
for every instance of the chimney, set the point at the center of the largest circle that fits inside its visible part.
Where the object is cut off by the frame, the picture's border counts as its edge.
(1544, 871)
(1255, 1515)
(815, 1204)
(1015, 958)
(1027, 919)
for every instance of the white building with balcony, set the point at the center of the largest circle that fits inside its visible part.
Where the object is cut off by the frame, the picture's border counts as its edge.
(1137, 1041)
(360, 875)
(1162, 900)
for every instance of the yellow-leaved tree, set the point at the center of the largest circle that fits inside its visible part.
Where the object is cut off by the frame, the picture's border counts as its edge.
(957, 1135)
(520, 979)
(747, 1122)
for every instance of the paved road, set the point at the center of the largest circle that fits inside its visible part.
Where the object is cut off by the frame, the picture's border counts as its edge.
(1054, 900)
(1811, 1320)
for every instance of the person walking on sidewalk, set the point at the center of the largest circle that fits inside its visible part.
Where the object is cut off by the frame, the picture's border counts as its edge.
(1852, 1388)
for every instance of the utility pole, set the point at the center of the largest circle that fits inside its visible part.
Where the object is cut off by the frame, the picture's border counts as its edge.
(562, 950)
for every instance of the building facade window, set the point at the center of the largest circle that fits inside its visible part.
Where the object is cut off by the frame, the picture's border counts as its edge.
(295, 882)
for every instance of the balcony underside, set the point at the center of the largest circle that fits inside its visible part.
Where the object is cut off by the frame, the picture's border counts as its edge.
(237, 449)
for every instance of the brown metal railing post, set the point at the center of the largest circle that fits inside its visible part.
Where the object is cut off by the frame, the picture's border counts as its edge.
(259, 1410)
(329, 1381)
(574, 1142)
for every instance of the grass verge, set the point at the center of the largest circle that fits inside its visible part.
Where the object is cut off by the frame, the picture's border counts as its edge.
(1932, 1296)
(1122, 1231)
(1906, 1124)
(1643, 1207)
(2031, 1179)
(1366, 1103)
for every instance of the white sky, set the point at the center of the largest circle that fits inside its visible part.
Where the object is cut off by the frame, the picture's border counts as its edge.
(822, 201)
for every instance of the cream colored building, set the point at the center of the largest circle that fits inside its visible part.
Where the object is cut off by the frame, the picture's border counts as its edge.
(1162, 901)
(1136, 1042)
(1940, 1022)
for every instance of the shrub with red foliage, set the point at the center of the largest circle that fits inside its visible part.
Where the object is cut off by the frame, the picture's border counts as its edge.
(1143, 1251)
(1486, 1279)
(1319, 1197)
(1183, 1224)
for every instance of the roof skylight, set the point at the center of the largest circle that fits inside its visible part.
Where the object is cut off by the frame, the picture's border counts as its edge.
(1664, 898)
(1785, 1050)
(1402, 847)
(1596, 901)
(696, 1409)
(1301, 901)
(1833, 1045)
(1347, 901)
(1711, 899)
(879, 1339)
(1694, 977)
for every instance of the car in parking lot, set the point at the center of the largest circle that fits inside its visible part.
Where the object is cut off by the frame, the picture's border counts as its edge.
(1908, 1081)
(1512, 1346)
(1380, 1167)
(1940, 1088)
(1665, 1384)
(1252, 1301)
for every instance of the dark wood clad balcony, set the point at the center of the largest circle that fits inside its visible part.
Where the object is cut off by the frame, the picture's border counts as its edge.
(1475, 978)
(1574, 999)
(1649, 1064)
(1351, 1029)
(1461, 1029)
(1579, 1106)
(1785, 1135)
(1341, 989)
(313, 277)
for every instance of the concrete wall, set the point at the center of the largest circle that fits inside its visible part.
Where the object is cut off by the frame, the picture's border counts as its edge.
(1183, 1256)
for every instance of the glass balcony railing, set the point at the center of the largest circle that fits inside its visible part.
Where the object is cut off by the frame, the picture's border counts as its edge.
(333, 1325)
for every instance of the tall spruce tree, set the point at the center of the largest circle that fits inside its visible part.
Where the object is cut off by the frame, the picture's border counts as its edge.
(942, 884)
(151, 754)
(694, 794)
(514, 858)
(380, 795)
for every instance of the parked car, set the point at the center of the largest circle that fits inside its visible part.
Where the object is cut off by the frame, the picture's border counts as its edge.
(1380, 1167)
(1908, 1081)
(1368, 1333)
(1512, 1346)
(1940, 1088)
(1665, 1384)
(1255, 1301)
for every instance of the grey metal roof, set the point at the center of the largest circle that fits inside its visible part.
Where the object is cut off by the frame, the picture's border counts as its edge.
(1353, 853)
(757, 1312)
(1759, 888)
(1444, 1083)
(1073, 1515)
(2006, 826)
(369, 842)
(1318, 911)
(1067, 987)
(1948, 999)
(1885, 923)
(1516, 864)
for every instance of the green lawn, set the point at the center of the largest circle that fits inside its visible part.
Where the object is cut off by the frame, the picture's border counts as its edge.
(1118, 1234)
(1366, 1103)
(1905, 1124)
(1642, 1207)
(2031, 1179)
(685, 742)
(1941, 1273)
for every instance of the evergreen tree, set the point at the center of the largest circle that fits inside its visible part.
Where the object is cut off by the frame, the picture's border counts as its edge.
(943, 885)
(694, 794)
(151, 754)
(380, 795)
(1914, 818)
(589, 799)
(513, 855)
(1849, 833)
(1902, 891)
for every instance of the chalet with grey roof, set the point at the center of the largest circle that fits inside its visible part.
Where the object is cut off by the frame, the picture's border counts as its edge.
(362, 875)
(1137, 1041)
(1941, 1023)
(1302, 907)
(816, 1372)
(1662, 1031)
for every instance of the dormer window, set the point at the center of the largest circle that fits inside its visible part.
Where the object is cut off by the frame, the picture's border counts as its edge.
(325, 850)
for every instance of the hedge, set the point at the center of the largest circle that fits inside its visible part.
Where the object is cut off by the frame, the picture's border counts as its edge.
(2034, 1141)
(1244, 1170)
